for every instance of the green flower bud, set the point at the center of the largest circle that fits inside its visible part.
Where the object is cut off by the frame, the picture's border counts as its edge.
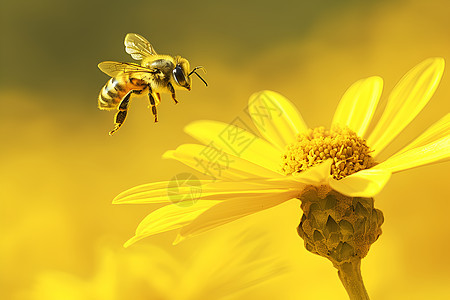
(336, 226)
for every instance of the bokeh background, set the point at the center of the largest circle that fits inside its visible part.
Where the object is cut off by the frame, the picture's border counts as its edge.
(62, 239)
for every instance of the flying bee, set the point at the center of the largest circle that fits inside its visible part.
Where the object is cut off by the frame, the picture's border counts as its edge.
(156, 74)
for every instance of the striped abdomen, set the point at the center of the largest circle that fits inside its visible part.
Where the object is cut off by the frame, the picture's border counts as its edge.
(117, 88)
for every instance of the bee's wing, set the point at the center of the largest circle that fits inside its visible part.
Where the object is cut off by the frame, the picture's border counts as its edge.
(137, 46)
(113, 68)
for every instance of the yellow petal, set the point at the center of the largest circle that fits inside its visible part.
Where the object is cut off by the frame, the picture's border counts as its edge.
(216, 163)
(233, 209)
(237, 141)
(357, 106)
(436, 131)
(162, 192)
(276, 118)
(168, 192)
(365, 183)
(168, 218)
(251, 184)
(419, 156)
(407, 99)
(229, 263)
(315, 175)
(139, 189)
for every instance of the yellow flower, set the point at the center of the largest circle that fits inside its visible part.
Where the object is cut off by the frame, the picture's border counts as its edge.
(224, 267)
(251, 174)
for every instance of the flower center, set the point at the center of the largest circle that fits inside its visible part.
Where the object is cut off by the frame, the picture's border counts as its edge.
(349, 152)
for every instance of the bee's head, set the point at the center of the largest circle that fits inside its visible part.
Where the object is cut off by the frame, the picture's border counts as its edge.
(181, 73)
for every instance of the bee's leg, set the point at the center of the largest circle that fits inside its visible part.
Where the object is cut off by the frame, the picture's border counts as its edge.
(122, 113)
(172, 91)
(152, 103)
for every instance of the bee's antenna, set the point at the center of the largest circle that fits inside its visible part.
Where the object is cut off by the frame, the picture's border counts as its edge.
(197, 68)
(201, 78)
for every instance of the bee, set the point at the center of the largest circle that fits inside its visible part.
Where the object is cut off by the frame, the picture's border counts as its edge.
(156, 74)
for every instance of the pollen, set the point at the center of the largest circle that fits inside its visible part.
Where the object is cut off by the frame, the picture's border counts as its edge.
(349, 152)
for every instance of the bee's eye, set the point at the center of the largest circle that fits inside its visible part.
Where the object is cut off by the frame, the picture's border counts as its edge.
(179, 75)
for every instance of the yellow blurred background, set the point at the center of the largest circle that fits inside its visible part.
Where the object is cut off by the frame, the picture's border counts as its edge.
(60, 236)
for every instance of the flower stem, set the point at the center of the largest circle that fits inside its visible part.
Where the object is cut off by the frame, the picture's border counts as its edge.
(350, 275)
